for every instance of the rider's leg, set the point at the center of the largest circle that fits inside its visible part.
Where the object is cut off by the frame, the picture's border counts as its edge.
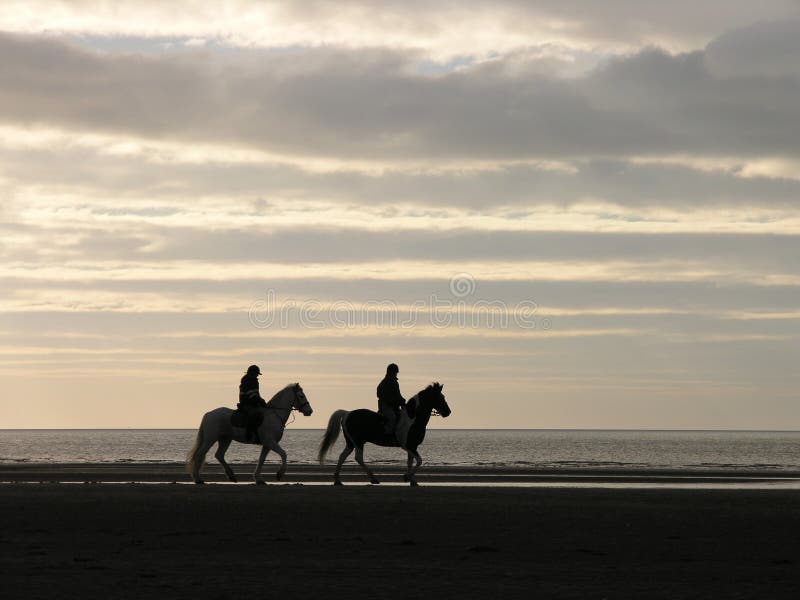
(254, 420)
(250, 429)
(389, 421)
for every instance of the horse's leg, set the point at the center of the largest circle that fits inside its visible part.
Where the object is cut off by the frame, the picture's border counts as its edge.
(257, 475)
(273, 445)
(412, 473)
(200, 458)
(222, 447)
(348, 449)
(407, 474)
(360, 460)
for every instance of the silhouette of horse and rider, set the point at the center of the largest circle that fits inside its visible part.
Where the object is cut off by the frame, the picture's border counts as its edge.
(398, 423)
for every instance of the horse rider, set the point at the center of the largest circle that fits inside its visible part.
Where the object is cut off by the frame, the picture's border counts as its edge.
(390, 401)
(250, 401)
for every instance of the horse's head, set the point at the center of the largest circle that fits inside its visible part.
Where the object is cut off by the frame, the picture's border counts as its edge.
(433, 394)
(300, 401)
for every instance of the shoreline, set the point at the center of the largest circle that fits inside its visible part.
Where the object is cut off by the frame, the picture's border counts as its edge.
(436, 475)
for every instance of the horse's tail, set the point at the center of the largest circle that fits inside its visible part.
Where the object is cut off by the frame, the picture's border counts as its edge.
(193, 457)
(331, 434)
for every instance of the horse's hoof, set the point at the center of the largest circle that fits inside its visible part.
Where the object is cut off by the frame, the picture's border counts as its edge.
(199, 482)
(233, 479)
(278, 475)
(337, 483)
(414, 484)
(374, 481)
(260, 482)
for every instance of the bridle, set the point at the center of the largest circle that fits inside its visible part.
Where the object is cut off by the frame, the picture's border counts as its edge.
(306, 403)
(434, 412)
(291, 408)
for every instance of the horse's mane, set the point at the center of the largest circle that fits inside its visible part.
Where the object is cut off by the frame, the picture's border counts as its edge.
(283, 389)
(432, 387)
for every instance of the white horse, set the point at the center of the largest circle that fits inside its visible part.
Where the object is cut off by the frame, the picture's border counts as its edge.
(216, 427)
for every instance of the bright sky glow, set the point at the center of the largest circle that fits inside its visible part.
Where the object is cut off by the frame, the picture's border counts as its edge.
(622, 178)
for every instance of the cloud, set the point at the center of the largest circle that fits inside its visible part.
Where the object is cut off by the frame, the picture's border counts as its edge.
(763, 50)
(442, 29)
(373, 105)
(63, 180)
(310, 245)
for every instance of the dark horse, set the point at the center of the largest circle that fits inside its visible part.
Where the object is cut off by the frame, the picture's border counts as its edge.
(362, 426)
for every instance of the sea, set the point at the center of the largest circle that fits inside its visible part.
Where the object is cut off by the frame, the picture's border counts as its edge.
(774, 451)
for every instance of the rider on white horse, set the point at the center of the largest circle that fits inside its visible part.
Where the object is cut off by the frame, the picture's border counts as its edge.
(250, 400)
(390, 401)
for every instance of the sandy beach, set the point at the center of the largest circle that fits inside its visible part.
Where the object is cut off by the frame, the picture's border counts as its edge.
(131, 540)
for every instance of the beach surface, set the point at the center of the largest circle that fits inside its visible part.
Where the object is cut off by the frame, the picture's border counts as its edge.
(134, 540)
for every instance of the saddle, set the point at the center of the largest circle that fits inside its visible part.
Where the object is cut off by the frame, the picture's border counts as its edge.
(250, 421)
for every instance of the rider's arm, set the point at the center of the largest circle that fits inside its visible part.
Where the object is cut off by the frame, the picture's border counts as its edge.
(257, 396)
(400, 400)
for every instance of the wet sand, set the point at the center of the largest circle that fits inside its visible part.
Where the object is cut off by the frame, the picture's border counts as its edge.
(118, 540)
(212, 472)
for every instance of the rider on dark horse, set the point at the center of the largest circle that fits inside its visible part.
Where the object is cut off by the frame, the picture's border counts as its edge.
(390, 401)
(250, 401)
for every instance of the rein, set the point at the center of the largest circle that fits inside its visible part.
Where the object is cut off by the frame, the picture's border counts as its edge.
(434, 412)
(292, 409)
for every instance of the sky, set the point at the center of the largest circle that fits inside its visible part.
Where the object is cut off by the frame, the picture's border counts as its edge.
(574, 214)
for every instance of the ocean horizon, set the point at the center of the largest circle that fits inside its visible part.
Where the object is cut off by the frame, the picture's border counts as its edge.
(619, 449)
